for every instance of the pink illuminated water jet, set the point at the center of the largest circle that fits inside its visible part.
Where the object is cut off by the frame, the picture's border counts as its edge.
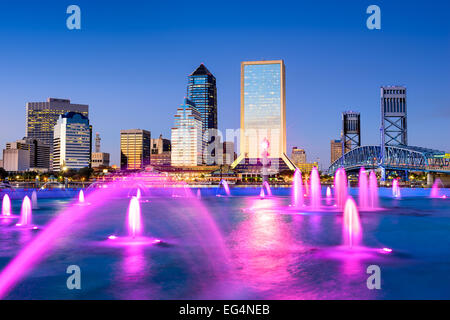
(262, 194)
(340, 187)
(363, 189)
(134, 218)
(373, 190)
(352, 226)
(268, 190)
(81, 197)
(396, 189)
(297, 189)
(435, 189)
(6, 206)
(25, 213)
(315, 189)
(199, 194)
(225, 186)
(138, 194)
(328, 195)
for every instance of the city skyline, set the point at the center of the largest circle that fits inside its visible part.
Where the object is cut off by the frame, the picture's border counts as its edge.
(349, 68)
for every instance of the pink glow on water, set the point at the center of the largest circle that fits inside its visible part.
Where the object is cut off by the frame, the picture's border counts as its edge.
(315, 189)
(363, 189)
(373, 190)
(225, 186)
(199, 194)
(268, 190)
(25, 213)
(396, 189)
(352, 226)
(6, 206)
(81, 196)
(328, 195)
(297, 189)
(340, 187)
(134, 218)
(435, 189)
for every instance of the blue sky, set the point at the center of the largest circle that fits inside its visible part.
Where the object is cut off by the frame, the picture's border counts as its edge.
(130, 63)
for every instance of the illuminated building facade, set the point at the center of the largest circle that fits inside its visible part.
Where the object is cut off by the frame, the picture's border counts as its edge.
(134, 149)
(39, 152)
(187, 137)
(298, 156)
(72, 142)
(263, 116)
(41, 118)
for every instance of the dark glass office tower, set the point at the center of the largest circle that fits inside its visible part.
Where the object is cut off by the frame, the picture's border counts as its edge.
(203, 92)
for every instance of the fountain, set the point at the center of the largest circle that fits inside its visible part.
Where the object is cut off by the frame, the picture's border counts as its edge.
(138, 194)
(435, 189)
(6, 206)
(328, 195)
(315, 189)
(262, 194)
(363, 189)
(199, 194)
(306, 188)
(134, 218)
(25, 213)
(297, 189)
(373, 190)
(225, 186)
(81, 197)
(340, 185)
(396, 189)
(352, 225)
(34, 202)
(267, 186)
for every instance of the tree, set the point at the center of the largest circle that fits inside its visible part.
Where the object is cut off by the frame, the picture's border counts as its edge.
(3, 173)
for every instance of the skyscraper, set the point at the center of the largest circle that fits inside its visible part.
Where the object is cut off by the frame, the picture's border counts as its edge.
(394, 116)
(202, 91)
(41, 118)
(187, 141)
(263, 116)
(72, 142)
(134, 149)
(298, 155)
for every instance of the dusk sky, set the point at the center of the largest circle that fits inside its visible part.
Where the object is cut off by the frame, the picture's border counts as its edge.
(131, 59)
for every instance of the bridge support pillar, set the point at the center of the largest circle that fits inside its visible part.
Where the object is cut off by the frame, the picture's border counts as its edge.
(383, 174)
(406, 175)
(430, 179)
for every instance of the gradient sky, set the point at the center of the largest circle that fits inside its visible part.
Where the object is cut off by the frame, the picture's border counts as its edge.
(130, 63)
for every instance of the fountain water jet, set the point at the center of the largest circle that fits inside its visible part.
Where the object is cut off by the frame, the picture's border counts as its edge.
(267, 186)
(262, 194)
(6, 206)
(297, 188)
(352, 225)
(81, 197)
(34, 201)
(25, 213)
(396, 189)
(138, 194)
(328, 195)
(435, 189)
(315, 189)
(225, 186)
(134, 218)
(373, 190)
(363, 189)
(340, 185)
(199, 194)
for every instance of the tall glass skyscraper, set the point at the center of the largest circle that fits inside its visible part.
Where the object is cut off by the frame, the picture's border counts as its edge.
(72, 142)
(263, 115)
(202, 92)
(187, 141)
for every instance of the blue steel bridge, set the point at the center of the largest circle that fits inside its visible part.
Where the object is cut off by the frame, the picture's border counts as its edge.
(394, 158)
